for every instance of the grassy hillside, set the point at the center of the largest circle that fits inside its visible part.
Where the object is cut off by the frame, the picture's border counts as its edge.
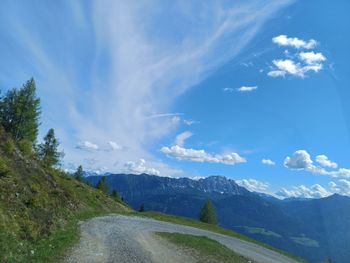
(40, 207)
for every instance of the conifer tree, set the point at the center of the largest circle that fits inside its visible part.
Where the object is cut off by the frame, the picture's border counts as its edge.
(102, 185)
(207, 213)
(115, 194)
(20, 111)
(79, 174)
(142, 208)
(48, 150)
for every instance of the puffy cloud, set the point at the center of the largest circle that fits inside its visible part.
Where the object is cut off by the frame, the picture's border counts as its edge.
(312, 58)
(288, 67)
(298, 64)
(267, 162)
(139, 168)
(342, 187)
(253, 185)
(301, 160)
(325, 162)
(247, 88)
(180, 139)
(314, 191)
(181, 153)
(283, 40)
(114, 146)
(86, 145)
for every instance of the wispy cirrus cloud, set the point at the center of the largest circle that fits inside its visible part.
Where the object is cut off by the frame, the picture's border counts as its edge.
(122, 66)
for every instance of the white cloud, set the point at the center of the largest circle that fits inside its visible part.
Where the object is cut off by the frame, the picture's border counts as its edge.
(114, 146)
(302, 191)
(283, 40)
(147, 69)
(190, 122)
(288, 66)
(299, 64)
(228, 89)
(253, 185)
(342, 187)
(325, 162)
(267, 162)
(301, 160)
(202, 156)
(276, 73)
(86, 145)
(283, 67)
(312, 58)
(139, 168)
(247, 88)
(182, 137)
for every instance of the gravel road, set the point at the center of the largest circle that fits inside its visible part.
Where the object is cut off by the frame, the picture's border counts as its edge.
(127, 239)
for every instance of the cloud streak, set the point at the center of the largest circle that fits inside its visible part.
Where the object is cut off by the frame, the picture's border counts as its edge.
(123, 66)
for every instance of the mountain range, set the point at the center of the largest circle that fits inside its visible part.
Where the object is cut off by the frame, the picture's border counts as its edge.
(314, 229)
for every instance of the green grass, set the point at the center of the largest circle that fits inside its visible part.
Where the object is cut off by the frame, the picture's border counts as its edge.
(213, 228)
(40, 207)
(204, 249)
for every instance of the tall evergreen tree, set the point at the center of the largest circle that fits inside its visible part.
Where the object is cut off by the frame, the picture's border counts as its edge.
(115, 194)
(20, 111)
(48, 150)
(79, 174)
(207, 213)
(102, 185)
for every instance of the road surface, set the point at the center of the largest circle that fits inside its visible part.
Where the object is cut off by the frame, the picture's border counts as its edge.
(127, 239)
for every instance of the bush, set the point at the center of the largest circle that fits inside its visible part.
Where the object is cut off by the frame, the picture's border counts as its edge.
(9, 146)
(4, 170)
(26, 147)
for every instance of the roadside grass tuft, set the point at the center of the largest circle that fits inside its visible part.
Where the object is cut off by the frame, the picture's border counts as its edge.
(213, 228)
(204, 249)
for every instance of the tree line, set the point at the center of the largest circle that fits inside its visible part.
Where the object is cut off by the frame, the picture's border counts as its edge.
(20, 118)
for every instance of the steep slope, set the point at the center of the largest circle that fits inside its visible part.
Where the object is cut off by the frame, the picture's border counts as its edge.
(311, 229)
(39, 206)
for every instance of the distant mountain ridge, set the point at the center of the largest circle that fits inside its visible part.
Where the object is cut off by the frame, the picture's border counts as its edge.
(311, 228)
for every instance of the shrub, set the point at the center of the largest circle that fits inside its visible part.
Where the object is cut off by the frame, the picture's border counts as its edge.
(9, 146)
(26, 147)
(4, 170)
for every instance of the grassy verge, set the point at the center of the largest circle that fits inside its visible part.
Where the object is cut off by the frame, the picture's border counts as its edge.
(204, 249)
(212, 228)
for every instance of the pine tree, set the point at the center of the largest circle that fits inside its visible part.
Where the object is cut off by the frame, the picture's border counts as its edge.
(142, 208)
(102, 185)
(48, 150)
(78, 175)
(20, 111)
(115, 194)
(207, 213)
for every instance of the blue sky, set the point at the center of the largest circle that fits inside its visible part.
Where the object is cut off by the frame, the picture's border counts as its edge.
(191, 89)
